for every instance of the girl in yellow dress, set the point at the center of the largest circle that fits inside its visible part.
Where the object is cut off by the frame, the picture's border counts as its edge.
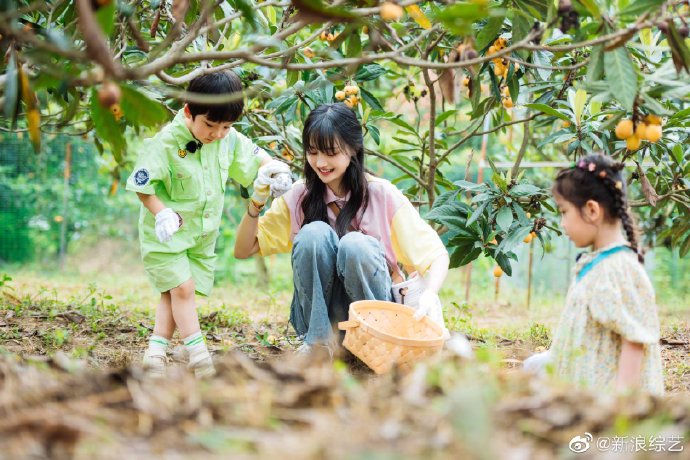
(608, 335)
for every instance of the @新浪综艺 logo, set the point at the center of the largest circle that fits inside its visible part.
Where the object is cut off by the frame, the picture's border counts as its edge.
(580, 444)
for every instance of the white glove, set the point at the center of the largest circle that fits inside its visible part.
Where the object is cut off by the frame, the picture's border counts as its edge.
(281, 183)
(429, 304)
(536, 364)
(268, 175)
(167, 223)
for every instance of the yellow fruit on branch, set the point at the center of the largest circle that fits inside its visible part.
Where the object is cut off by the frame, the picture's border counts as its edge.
(652, 119)
(508, 103)
(308, 52)
(340, 95)
(323, 36)
(566, 124)
(528, 238)
(391, 11)
(633, 142)
(351, 89)
(641, 130)
(624, 129)
(500, 43)
(116, 111)
(498, 271)
(653, 133)
(351, 101)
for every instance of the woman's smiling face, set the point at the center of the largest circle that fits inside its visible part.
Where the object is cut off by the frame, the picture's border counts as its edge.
(330, 166)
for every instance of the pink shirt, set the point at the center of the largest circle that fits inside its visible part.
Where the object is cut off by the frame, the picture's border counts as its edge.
(389, 217)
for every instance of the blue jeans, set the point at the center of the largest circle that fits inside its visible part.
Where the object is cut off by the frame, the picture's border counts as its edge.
(329, 274)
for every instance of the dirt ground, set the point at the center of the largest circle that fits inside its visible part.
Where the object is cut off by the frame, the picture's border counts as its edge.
(71, 387)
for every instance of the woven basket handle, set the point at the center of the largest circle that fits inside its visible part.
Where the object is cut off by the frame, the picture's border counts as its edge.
(345, 325)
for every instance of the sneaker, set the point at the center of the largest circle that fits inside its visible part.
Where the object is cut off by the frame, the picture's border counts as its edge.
(154, 363)
(202, 365)
(306, 349)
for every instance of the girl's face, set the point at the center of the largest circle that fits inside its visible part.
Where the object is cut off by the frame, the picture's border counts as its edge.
(330, 168)
(579, 224)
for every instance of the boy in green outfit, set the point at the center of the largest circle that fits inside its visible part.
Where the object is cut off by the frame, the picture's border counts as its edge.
(180, 178)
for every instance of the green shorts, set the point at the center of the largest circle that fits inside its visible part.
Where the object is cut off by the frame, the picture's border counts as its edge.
(185, 256)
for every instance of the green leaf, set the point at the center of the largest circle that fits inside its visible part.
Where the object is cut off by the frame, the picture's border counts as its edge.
(106, 18)
(595, 70)
(477, 213)
(369, 72)
(525, 190)
(591, 7)
(504, 262)
(543, 58)
(514, 239)
(107, 128)
(354, 44)
(521, 27)
(489, 32)
(548, 110)
(537, 8)
(641, 6)
(580, 101)
(458, 17)
(444, 116)
(370, 99)
(403, 124)
(464, 254)
(271, 12)
(621, 76)
(470, 186)
(141, 110)
(374, 133)
(504, 218)
(246, 8)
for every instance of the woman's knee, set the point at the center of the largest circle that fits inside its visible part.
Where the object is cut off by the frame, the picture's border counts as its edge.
(315, 235)
(357, 248)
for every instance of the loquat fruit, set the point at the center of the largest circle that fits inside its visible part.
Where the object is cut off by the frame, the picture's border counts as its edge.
(351, 89)
(624, 129)
(391, 11)
(633, 142)
(340, 95)
(653, 133)
(498, 271)
(641, 130)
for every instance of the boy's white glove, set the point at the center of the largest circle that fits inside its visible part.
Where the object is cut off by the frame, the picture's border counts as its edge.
(429, 304)
(167, 223)
(272, 178)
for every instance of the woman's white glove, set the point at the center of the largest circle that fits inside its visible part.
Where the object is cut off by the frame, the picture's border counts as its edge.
(273, 178)
(167, 223)
(429, 304)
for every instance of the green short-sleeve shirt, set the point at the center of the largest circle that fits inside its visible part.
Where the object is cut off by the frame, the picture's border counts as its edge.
(193, 185)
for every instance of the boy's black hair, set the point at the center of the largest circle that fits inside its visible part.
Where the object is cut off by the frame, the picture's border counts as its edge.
(328, 129)
(225, 82)
(599, 178)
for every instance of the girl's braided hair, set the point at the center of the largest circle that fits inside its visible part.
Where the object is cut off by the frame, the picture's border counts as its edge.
(599, 178)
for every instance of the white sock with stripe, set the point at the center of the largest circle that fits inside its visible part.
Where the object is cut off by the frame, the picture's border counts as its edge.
(196, 346)
(158, 345)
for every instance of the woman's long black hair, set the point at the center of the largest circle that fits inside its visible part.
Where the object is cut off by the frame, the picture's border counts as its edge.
(328, 129)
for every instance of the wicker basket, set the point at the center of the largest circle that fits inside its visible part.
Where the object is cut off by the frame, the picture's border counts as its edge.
(384, 334)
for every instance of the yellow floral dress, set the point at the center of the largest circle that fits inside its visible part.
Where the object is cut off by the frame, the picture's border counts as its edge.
(611, 300)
